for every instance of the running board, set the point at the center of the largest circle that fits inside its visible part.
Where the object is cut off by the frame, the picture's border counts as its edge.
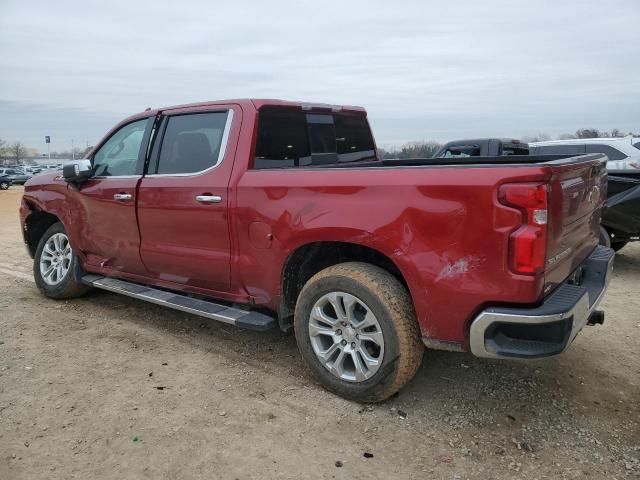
(234, 316)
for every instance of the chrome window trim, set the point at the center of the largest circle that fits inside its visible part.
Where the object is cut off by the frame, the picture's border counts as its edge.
(223, 147)
(115, 176)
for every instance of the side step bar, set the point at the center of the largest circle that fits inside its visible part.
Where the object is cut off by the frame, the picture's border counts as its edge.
(234, 316)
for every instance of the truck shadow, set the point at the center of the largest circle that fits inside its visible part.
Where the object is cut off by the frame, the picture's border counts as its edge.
(449, 378)
(579, 388)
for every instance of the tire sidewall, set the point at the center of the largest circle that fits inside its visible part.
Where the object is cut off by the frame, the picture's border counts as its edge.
(62, 289)
(605, 239)
(310, 294)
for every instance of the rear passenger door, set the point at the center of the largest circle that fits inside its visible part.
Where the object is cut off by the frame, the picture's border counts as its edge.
(183, 199)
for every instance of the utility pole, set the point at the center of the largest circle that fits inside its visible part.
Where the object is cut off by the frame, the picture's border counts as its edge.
(47, 139)
(73, 153)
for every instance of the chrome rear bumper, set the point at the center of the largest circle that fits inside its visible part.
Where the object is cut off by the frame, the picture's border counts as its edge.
(550, 328)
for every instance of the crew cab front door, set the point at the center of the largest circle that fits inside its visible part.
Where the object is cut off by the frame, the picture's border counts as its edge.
(182, 199)
(109, 236)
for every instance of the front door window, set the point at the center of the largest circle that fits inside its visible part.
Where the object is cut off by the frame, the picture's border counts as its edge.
(119, 155)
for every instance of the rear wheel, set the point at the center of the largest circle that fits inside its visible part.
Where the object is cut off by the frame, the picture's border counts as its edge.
(55, 267)
(357, 332)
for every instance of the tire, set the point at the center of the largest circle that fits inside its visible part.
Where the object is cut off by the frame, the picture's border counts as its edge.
(617, 246)
(4, 186)
(605, 239)
(56, 285)
(367, 289)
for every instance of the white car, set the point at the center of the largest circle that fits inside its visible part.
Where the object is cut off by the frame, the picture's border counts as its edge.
(623, 153)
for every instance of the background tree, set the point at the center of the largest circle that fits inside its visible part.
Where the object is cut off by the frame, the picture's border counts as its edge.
(424, 149)
(86, 151)
(588, 133)
(18, 151)
(3, 151)
(540, 137)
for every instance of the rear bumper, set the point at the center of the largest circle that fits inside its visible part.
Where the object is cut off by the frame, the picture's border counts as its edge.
(550, 328)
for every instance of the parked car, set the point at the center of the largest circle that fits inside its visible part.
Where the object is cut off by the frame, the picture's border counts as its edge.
(483, 147)
(32, 170)
(16, 175)
(623, 153)
(621, 216)
(5, 182)
(265, 213)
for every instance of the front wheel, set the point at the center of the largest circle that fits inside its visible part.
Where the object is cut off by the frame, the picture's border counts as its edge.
(4, 185)
(55, 267)
(357, 331)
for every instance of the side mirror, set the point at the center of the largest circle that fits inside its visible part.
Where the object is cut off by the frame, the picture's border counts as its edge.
(78, 171)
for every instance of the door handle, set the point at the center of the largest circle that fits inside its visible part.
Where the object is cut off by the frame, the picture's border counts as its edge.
(209, 198)
(122, 197)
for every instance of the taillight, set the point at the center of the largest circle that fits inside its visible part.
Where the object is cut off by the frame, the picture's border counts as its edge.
(528, 243)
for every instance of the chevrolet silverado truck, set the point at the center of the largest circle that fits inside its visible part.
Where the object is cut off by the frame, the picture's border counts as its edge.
(266, 214)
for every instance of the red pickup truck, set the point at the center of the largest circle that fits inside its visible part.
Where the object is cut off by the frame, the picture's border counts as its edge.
(266, 213)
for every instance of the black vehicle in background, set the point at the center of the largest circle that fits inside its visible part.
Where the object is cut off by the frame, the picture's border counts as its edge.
(483, 147)
(5, 182)
(621, 217)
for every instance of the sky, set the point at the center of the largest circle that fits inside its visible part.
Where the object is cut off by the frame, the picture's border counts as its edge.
(424, 70)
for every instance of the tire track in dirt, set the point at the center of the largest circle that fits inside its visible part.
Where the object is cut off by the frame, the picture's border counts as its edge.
(16, 274)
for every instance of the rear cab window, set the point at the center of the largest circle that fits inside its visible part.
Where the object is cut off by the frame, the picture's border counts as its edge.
(289, 138)
(462, 151)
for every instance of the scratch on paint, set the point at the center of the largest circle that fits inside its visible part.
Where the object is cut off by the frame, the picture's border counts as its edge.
(458, 268)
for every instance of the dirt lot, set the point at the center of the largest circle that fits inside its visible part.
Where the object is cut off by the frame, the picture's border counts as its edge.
(110, 387)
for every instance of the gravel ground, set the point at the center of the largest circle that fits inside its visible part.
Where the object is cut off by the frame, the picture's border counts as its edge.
(110, 387)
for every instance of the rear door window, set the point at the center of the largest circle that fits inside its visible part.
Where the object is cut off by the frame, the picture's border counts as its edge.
(611, 152)
(558, 150)
(191, 143)
(290, 138)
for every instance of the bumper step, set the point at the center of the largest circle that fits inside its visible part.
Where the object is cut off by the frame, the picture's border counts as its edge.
(234, 316)
(548, 329)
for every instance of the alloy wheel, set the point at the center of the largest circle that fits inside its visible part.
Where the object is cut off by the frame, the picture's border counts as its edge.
(346, 336)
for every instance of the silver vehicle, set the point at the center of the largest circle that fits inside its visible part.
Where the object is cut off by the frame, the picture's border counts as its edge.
(16, 175)
(623, 153)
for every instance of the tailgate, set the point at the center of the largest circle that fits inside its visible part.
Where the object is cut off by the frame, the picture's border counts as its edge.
(577, 193)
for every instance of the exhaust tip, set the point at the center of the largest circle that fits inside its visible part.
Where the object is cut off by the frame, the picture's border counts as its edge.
(596, 318)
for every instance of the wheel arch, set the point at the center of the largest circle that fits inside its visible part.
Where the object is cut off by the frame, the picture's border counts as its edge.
(308, 259)
(35, 225)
